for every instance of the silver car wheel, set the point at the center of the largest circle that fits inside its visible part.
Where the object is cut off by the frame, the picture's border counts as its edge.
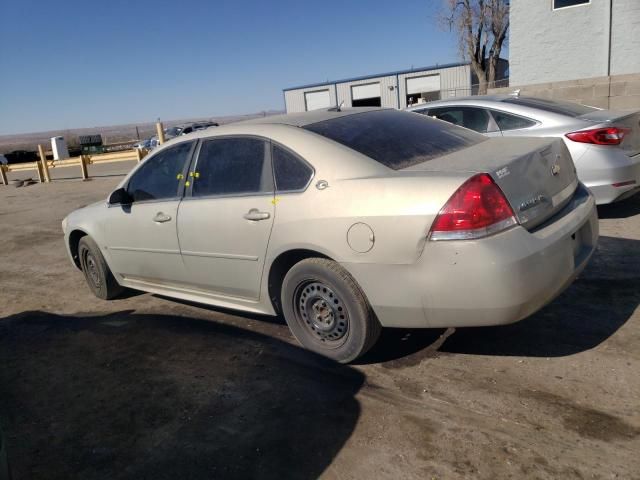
(321, 312)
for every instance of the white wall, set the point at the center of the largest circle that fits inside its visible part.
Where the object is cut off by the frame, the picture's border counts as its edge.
(625, 51)
(572, 43)
(550, 46)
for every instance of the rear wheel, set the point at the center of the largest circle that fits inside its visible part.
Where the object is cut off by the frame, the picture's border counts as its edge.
(327, 311)
(96, 271)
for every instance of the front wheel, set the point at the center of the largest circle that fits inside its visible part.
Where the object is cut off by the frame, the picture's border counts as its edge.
(96, 271)
(327, 311)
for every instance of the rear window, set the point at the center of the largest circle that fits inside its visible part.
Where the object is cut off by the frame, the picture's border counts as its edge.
(569, 109)
(396, 139)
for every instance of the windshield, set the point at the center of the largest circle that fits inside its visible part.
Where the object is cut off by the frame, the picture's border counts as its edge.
(561, 107)
(396, 139)
(173, 131)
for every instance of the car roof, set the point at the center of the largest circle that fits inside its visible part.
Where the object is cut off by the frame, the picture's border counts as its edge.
(473, 99)
(307, 118)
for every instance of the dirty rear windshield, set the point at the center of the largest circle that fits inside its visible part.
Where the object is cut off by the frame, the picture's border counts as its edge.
(396, 139)
(569, 109)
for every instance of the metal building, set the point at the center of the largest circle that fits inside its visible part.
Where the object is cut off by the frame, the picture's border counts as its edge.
(394, 89)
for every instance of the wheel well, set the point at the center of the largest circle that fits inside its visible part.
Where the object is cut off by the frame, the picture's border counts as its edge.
(279, 268)
(74, 240)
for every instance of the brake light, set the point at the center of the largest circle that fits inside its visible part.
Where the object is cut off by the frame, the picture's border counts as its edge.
(477, 209)
(599, 136)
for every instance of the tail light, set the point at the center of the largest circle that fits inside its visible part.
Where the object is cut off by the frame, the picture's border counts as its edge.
(599, 136)
(477, 209)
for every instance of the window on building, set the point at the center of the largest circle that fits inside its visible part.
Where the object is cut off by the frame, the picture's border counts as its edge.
(231, 166)
(568, 3)
(291, 173)
(366, 95)
(317, 100)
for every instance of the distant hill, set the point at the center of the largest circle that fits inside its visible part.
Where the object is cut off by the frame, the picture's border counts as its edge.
(110, 134)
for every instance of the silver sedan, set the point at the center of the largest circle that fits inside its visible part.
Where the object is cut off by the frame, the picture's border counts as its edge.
(344, 222)
(605, 145)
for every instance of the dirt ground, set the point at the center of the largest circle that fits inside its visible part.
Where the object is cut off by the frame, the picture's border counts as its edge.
(147, 387)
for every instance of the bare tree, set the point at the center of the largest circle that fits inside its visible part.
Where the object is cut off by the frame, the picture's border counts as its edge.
(482, 27)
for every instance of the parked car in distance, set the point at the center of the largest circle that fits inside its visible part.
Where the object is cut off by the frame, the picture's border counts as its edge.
(604, 145)
(344, 221)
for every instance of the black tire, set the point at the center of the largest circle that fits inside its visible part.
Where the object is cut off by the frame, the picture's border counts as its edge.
(96, 272)
(327, 311)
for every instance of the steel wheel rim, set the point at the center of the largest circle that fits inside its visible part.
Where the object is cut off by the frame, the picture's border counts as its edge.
(321, 313)
(91, 269)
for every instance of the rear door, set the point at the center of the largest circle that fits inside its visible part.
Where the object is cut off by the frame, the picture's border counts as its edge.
(225, 220)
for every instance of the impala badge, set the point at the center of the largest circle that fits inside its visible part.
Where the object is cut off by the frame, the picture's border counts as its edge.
(555, 169)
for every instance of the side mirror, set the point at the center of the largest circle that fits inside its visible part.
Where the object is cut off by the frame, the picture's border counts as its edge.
(120, 197)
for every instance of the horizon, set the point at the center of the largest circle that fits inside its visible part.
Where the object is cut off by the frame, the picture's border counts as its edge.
(107, 68)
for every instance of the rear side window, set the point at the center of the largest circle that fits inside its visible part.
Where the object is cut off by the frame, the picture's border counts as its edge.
(569, 109)
(230, 166)
(507, 121)
(476, 119)
(396, 139)
(159, 177)
(291, 173)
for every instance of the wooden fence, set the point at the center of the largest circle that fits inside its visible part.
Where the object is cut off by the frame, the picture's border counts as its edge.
(43, 166)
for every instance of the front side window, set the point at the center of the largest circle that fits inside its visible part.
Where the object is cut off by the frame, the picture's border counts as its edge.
(396, 139)
(507, 121)
(476, 119)
(159, 177)
(291, 173)
(232, 166)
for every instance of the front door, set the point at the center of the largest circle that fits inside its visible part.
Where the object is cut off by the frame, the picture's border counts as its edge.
(141, 240)
(225, 220)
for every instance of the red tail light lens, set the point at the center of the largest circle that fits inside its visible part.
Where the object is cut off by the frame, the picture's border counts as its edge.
(477, 209)
(599, 136)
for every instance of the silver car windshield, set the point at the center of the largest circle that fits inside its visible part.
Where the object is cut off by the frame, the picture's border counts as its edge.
(396, 139)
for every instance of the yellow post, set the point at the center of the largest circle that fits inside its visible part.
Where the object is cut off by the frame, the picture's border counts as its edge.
(83, 166)
(160, 132)
(3, 174)
(45, 166)
(40, 172)
(139, 154)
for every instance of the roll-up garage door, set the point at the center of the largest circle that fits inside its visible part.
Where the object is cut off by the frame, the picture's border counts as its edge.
(317, 100)
(418, 85)
(370, 90)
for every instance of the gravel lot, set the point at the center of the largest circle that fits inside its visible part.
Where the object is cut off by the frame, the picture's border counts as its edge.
(147, 387)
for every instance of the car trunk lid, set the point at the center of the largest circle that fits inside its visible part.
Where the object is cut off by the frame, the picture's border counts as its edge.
(629, 120)
(536, 175)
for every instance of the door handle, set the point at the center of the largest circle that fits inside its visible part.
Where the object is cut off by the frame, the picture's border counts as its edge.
(255, 215)
(161, 217)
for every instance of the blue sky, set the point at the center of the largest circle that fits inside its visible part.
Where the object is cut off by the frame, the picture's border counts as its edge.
(68, 64)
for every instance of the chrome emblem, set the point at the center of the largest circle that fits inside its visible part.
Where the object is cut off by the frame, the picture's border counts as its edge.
(555, 169)
(532, 202)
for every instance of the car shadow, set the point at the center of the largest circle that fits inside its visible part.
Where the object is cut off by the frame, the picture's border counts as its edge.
(129, 395)
(585, 315)
(623, 209)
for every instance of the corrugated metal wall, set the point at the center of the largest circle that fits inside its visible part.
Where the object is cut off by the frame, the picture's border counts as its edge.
(454, 81)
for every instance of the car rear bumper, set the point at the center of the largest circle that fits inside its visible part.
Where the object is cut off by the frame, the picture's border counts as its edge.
(609, 174)
(492, 281)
